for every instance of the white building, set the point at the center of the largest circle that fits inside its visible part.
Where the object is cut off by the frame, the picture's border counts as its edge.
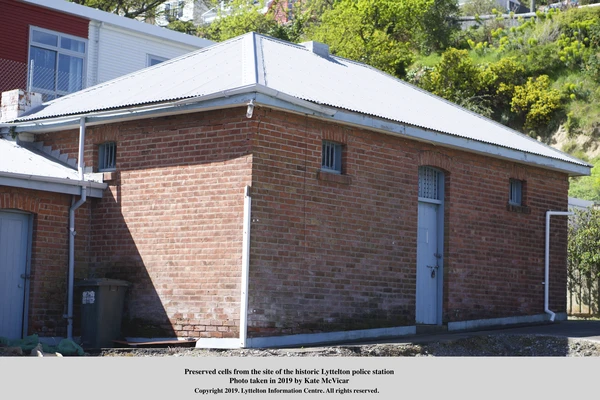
(55, 47)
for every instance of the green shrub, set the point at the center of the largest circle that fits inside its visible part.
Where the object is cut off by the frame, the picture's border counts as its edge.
(537, 102)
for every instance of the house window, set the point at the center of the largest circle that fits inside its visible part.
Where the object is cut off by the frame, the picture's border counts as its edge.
(174, 10)
(331, 158)
(153, 60)
(515, 195)
(107, 157)
(56, 63)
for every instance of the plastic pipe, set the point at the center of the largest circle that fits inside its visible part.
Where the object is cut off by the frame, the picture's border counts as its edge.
(245, 268)
(547, 261)
(72, 232)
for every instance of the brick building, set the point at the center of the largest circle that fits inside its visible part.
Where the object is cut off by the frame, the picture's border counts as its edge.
(274, 194)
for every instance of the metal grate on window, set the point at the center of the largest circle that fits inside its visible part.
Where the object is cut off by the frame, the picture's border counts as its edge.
(429, 186)
(331, 159)
(515, 196)
(107, 156)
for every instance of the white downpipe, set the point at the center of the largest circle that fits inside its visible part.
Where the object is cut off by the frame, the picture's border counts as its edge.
(80, 163)
(245, 268)
(72, 232)
(547, 261)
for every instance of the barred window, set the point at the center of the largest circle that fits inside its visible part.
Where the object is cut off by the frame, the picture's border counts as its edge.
(331, 159)
(429, 183)
(107, 156)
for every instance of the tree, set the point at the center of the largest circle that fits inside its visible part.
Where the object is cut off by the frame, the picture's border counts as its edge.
(584, 251)
(537, 102)
(240, 17)
(439, 25)
(458, 79)
(587, 187)
(479, 7)
(183, 26)
(126, 8)
(381, 33)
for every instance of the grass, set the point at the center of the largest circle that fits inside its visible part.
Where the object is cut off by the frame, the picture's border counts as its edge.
(583, 317)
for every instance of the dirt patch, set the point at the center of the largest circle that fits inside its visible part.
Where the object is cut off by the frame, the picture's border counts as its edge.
(477, 346)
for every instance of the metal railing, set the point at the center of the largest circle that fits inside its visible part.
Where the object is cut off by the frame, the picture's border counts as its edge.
(51, 83)
(13, 75)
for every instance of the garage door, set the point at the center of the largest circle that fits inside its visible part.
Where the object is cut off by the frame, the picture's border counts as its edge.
(14, 244)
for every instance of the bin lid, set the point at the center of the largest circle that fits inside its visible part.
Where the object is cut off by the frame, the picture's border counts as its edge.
(102, 282)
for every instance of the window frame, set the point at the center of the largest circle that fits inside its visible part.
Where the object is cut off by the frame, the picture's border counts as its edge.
(58, 50)
(514, 190)
(335, 159)
(102, 157)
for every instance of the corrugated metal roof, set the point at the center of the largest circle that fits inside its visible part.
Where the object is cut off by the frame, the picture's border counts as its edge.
(296, 71)
(15, 159)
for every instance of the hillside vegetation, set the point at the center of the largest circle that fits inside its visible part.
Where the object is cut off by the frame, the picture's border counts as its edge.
(539, 76)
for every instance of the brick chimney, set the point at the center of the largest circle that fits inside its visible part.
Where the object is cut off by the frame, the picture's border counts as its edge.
(17, 102)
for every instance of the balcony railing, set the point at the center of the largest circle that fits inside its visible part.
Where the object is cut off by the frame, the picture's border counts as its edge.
(49, 82)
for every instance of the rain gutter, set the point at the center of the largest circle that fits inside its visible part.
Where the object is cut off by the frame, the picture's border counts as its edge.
(266, 96)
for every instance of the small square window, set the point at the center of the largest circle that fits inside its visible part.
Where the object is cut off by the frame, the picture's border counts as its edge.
(107, 157)
(331, 158)
(515, 196)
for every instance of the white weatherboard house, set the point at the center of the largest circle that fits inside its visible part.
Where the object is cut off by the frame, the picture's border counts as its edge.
(58, 47)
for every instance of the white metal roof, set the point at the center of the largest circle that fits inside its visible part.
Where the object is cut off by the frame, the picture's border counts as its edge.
(255, 61)
(123, 22)
(31, 169)
(575, 202)
(19, 160)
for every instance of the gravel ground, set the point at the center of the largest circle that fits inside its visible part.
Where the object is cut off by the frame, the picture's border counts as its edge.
(498, 345)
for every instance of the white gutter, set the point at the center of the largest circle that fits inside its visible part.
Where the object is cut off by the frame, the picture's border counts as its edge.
(245, 268)
(547, 261)
(140, 109)
(72, 232)
(264, 95)
(49, 179)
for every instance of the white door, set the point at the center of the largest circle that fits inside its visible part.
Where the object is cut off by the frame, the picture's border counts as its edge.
(14, 244)
(428, 271)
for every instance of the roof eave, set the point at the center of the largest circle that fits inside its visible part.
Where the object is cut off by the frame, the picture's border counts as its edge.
(439, 138)
(263, 95)
(50, 184)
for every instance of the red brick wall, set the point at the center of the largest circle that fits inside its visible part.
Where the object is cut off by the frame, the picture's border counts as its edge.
(49, 255)
(171, 220)
(340, 254)
(328, 252)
